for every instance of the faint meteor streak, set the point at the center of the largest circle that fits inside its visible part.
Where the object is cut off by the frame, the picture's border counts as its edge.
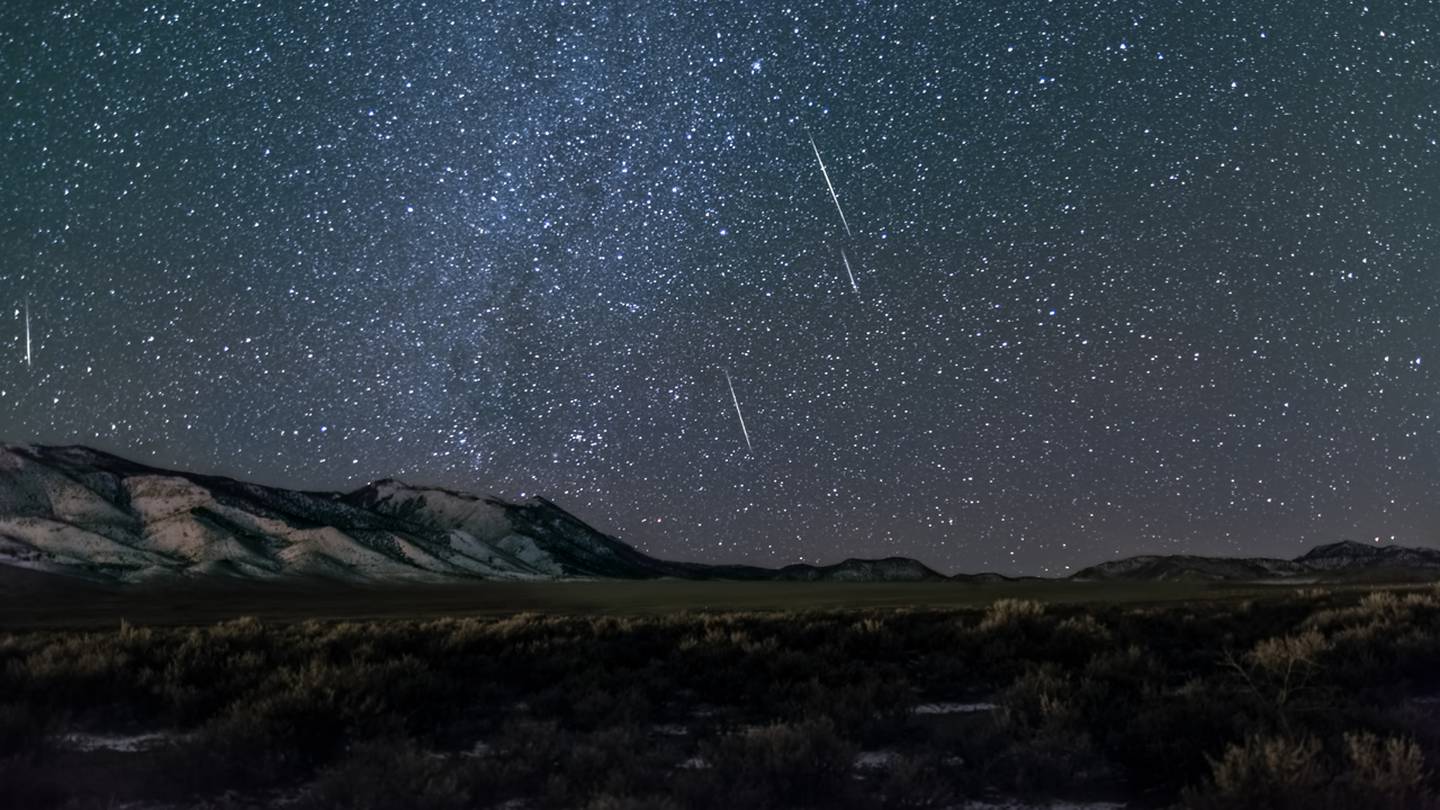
(27, 332)
(829, 185)
(848, 272)
(736, 400)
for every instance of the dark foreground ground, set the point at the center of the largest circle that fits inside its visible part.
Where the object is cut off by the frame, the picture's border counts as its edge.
(676, 695)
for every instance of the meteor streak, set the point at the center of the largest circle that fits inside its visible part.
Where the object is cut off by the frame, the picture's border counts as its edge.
(27, 332)
(829, 185)
(846, 259)
(736, 400)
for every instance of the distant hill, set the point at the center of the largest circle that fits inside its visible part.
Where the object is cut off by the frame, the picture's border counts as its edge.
(1352, 555)
(1344, 560)
(1188, 567)
(86, 514)
(890, 569)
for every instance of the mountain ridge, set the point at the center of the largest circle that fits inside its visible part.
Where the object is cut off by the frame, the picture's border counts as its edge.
(85, 513)
(1345, 556)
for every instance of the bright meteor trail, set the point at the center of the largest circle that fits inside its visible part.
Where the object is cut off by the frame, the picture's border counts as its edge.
(848, 272)
(830, 185)
(27, 332)
(736, 400)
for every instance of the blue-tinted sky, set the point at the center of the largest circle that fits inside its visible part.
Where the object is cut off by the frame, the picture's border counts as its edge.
(1131, 276)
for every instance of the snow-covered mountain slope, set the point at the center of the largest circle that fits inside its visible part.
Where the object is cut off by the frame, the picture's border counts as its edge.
(552, 541)
(78, 511)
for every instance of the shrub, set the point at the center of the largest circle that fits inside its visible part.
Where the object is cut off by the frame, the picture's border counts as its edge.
(1278, 670)
(1161, 742)
(615, 762)
(1274, 773)
(526, 752)
(867, 707)
(1009, 612)
(1277, 773)
(1085, 627)
(1285, 656)
(1038, 700)
(1047, 747)
(781, 765)
(1386, 773)
(913, 782)
(390, 776)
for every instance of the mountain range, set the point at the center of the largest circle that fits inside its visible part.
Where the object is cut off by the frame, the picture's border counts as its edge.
(81, 512)
(78, 511)
(1346, 559)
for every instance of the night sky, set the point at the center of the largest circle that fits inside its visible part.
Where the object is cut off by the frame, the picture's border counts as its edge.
(1132, 277)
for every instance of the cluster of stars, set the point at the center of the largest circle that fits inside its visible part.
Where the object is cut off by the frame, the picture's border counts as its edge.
(1136, 277)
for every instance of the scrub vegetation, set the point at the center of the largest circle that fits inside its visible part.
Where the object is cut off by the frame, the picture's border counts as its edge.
(1304, 699)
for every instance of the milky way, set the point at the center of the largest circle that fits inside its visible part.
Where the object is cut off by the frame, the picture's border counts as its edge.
(1132, 277)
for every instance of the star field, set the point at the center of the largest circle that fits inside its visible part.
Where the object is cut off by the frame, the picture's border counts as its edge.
(1128, 277)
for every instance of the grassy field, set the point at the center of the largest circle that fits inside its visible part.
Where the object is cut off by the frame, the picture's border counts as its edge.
(29, 601)
(663, 695)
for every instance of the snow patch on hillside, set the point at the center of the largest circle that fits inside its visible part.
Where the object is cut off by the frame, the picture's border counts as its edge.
(155, 498)
(63, 540)
(525, 549)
